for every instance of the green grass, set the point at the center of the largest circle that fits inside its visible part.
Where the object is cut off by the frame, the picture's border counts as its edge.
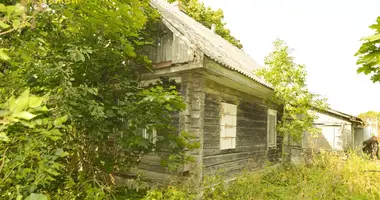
(332, 176)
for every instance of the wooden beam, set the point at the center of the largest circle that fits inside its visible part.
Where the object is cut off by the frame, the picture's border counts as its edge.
(144, 83)
(173, 70)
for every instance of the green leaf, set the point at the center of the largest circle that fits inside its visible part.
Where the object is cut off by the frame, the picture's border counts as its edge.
(19, 9)
(79, 57)
(59, 121)
(372, 38)
(3, 55)
(4, 137)
(12, 104)
(3, 8)
(52, 172)
(67, 13)
(16, 23)
(35, 196)
(22, 102)
(27, 124)
(61, 153)
(24, 115)
(42, 109)
(3, 113)
(3, 25)
(35, 102)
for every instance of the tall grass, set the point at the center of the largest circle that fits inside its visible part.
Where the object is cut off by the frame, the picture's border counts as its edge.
(331, 176)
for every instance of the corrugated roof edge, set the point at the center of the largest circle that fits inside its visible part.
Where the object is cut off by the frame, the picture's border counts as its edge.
(344, 115)
(155, 3)
(251, 76)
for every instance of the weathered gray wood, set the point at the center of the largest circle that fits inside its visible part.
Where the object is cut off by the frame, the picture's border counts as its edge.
(181, 52)
(251, 133)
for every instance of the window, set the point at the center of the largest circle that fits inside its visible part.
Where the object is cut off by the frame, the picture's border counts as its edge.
(272, 122)
(228, 126)
(150, 135)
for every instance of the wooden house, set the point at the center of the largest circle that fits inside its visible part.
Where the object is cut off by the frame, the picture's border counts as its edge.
(226, 102)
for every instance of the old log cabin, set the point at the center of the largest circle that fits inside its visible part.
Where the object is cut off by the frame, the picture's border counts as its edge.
(226, 102)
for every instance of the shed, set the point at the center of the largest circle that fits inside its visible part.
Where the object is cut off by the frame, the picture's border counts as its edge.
(339, 132)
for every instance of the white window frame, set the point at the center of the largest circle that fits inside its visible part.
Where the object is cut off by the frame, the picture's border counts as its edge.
(273, 113)
(228, 120)
(152, 137)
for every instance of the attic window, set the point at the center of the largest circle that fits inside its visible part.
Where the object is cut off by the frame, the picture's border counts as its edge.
(228, 126)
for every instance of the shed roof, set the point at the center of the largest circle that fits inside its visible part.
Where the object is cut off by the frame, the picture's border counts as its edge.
(211, 44)
(346, 116)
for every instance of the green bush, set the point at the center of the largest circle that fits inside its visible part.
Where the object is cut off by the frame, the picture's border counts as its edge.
(91, 68)
(31, 153)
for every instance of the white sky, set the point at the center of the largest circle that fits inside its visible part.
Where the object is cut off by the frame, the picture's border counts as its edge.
(325, 35)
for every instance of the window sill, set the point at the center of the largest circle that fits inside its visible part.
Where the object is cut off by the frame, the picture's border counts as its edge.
(272, 147)
(226, 151)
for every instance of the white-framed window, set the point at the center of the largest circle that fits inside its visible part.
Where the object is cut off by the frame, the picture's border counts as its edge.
(271, 128)
(228, 126)
(150, 135)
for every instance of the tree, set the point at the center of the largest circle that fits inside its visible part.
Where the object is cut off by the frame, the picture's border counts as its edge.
(206, 16)
(290, 91)
(85, 58)
(369, 54)
(371, 118)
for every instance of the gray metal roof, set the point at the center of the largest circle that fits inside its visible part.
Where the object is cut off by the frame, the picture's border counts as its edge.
(347, 116)
(211, 44)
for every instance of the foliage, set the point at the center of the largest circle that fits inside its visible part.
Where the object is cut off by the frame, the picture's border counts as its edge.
(370, 118)
(32, 157)
(90, 67)
(369, 115)
(179, 146)
(168, 193)
(176, 190)
(369, 54)
(13, 17)
(206, 16)
(290, 90)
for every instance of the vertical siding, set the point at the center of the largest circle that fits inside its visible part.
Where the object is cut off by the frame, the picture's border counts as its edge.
(170, 47)
(164, 47)
(181, 51)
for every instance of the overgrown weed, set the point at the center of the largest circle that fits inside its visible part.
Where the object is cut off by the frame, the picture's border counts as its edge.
(331, 176)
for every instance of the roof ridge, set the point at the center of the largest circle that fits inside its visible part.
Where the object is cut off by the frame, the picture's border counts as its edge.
(212, 44)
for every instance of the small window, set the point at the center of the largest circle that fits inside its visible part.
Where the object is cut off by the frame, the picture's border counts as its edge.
(228, 126)
(150, 135)
(272, 122)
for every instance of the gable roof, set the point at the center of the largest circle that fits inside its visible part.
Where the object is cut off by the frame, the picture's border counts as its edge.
(211, 44)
